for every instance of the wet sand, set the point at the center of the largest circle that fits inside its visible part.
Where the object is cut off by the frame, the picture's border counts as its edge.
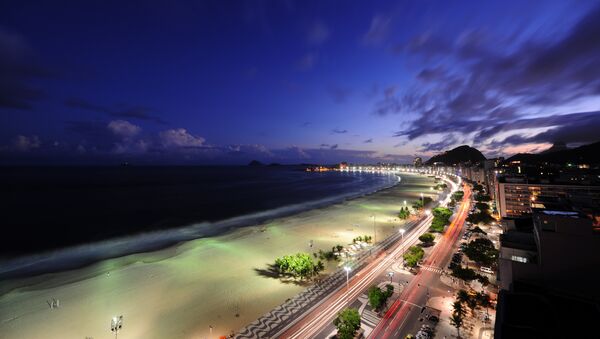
(180, 291)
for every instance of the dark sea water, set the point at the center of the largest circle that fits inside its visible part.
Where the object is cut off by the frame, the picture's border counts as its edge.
(48, 208)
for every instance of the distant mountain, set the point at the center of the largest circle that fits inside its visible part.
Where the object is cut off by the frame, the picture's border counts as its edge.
(557, 146)
(457, 155)
(255, 163)
(586, 154)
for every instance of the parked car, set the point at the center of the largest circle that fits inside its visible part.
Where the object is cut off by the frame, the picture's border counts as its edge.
(427, 329)
(486, 270)
(433, 318)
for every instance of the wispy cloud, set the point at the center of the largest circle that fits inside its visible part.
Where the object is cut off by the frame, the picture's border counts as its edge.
(483, 85)
(339, 131)
(378, 31)
(130, 112)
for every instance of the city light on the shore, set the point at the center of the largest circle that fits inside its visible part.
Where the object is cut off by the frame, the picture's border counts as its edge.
(219, 169)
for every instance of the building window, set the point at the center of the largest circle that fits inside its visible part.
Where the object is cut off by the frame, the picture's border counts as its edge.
(519, 259)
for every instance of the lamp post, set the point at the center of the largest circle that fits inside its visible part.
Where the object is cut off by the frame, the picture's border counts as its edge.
(374, 230)
(116, 324)
(347, 269)
(402, 245)
(391, 275)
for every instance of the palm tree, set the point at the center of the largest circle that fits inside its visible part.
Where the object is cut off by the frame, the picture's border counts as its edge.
(459, 309)
(472, 304)
(463, 296)
(484, 301)
(456, 320)
(319, 267)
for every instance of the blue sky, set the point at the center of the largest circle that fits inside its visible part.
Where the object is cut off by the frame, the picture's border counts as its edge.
(284, 81)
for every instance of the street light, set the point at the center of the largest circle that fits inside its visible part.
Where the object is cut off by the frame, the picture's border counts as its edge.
(347, 269)
(405, 203)
(402, 244)
(427, 212)
(116, 324)
(374, 230)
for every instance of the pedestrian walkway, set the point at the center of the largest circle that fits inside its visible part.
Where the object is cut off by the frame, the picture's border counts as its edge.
(432, 269)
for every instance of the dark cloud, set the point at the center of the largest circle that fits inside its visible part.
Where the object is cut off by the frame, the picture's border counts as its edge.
(368, 141)
(442, 145)
(339, 131)
(483, 84)
(576, 128)
(132, 112)
(334, 146)
(18, 69)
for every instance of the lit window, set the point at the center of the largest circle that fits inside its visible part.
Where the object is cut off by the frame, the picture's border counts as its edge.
(518, 258)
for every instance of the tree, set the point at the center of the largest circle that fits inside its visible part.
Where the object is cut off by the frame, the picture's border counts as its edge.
(419, 204)
(456, 320)
(462, 296)
(441, 218)
(413, 255)
(482, 198)
(458, 195)
(480, 218)
(482, 206)
(463, 273)
(472, 304)
(483, 280)
(483, 299)
(427, 201)
(347, 323)
(299, 265)
(442, 213)
(378, 297)
(427, 238)
(482, 251)
(404, 213)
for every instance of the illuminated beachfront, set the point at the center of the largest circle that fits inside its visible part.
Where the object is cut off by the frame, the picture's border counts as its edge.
(182, 291)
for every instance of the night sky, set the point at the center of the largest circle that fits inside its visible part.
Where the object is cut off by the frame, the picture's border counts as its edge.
(224, 82)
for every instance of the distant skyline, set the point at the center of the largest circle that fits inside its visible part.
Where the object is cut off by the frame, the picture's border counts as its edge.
(224, 82)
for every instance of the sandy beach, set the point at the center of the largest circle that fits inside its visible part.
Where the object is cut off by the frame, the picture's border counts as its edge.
(183, 290)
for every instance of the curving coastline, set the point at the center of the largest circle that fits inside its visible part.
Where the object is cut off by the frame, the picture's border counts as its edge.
(179, 291)
(82, 255)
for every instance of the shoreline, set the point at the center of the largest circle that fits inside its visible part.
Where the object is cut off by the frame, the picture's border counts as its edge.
(179, 291)
(69, 258)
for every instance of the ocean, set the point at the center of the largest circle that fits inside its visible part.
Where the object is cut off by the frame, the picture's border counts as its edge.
(134, 209)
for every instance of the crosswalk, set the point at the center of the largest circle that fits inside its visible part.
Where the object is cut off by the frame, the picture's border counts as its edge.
(432, 269)
(370, 318)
